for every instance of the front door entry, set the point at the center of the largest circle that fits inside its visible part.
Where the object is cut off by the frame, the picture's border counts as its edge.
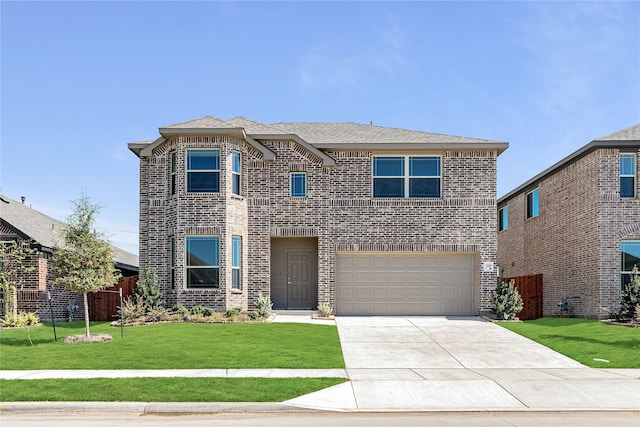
(301, 289)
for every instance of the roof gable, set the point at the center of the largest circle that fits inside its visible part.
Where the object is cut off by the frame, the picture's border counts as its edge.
(631, 133)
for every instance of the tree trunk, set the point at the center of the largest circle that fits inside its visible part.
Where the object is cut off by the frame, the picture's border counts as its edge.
(86, 314)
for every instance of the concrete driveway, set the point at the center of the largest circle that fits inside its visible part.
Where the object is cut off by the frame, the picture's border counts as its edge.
(463, 363)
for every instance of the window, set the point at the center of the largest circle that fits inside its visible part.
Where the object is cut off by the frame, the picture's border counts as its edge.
(503, 219)
(203, 171)
(236, 260)
(172, 179)
(406, 176)
(298, 186)
(203, 261)
(172, 262)
(533, 203)
(235, 172)
(627, 175)
(630, 258)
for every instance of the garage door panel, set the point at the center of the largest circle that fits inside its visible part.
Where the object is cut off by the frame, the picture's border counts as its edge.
(389, 284)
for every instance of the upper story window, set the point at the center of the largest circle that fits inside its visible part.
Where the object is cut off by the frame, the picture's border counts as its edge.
(503, 219)
(406, 176)
(630, 258)
(236, 260)
(298, 185)
(236, 166)
(203, 261)
(628, 175)
(172, 173)
(533, 203)
(203, 171)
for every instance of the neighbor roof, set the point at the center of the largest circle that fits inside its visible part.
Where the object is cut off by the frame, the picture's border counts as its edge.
(625, 138)
(320, 135)
(44, 230)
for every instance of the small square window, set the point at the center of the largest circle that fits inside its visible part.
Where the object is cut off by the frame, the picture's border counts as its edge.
(298, 185)
(533, 204)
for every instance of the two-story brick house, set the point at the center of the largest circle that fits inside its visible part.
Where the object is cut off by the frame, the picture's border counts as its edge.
(367, 219)
(578, 224)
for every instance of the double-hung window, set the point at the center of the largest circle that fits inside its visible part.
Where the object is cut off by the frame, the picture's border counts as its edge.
(503, 219)
(298, 185)
(172, 261)
(235, 172)
(533, 203)
(630, 258)
(203, 261)
(236, 262)
(203, 171)
(627, 175)
(406, 176)
(172, 174)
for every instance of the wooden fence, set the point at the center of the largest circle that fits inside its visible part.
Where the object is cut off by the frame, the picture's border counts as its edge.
(530, 289)
(103, 305)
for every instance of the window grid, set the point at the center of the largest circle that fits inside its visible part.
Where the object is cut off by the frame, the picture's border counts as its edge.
(627, 175)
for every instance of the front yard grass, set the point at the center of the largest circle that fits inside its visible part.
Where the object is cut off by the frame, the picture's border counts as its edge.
(175, 346)
(587, 341)
(162, 389)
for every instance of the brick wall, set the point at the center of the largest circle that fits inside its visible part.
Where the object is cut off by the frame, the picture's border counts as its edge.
(339, 211)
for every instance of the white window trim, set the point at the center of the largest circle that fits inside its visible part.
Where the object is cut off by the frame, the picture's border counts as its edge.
(306, 192)
(187, 266)
(234, 173)
(187, 170)
(634, 157)
(406, 177)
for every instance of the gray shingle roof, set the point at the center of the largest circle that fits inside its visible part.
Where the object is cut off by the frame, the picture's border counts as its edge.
(44, 229)
(631, 133)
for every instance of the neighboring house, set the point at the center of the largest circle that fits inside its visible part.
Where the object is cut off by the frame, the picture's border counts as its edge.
(19, 222)
(578, 224)
(367, 219)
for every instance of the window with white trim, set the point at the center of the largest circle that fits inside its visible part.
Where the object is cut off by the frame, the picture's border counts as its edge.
(236, 262)
(203, 261)
(627, 175)
(236, 166)
(203, 171)
(533, 203)
(407, 177)
(630, 251)
(503, 219)
(298, 185)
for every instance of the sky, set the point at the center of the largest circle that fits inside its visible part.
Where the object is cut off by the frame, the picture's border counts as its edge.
(81, 80)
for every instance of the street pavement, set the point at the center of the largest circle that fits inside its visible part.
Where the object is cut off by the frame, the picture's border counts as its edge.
(406, 364)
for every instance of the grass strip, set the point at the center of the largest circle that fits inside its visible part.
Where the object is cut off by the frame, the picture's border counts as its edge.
(590, 342)
(175, 346)
(162, 389)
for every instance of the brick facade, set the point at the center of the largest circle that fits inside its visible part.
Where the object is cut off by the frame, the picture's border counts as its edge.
(575, 240)
(339, 212)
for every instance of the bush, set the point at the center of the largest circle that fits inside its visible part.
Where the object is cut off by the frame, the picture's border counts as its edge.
(630, 298)
(264, 305)
(233, 312)
(148, 290)
(199, 310)
(507, 301)
(325, 310)
(181, 310)
(253, 315)
(21, 320)
(131, 310)
(158, 315)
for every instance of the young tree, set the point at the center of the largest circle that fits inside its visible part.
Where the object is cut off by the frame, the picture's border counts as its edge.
(82, 261)
(13, 256)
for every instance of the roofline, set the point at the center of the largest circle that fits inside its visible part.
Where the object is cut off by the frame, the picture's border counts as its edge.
(576, 155)
(327, 161)
(125, 266)
(500, 147)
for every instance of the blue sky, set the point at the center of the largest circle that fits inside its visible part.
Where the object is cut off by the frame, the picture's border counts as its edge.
(80, 80)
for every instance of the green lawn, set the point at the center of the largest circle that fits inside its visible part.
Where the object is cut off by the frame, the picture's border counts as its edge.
(162, 389)
(584, 340)
(175, 346)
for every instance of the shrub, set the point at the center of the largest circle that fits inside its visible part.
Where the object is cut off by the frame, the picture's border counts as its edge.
(158, 315)
(253, 315)
(148, 290)
(200, 310)
(264, 305)
(21, 320)
(131, 310)
(325, 310)
(630, 298)
(181, 310)
(233, 312)
(507, 301)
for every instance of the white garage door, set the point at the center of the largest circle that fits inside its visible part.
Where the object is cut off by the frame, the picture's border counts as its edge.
(405, 284)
